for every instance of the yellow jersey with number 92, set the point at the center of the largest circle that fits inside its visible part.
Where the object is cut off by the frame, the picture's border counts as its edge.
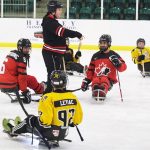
(60, 109)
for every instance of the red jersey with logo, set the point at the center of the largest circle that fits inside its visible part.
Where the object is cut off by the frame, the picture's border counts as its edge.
(13, 71)
(101, 65)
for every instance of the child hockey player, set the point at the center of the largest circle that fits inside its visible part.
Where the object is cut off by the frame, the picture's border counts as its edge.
(13, 72)
(72, 61)
(102, 69)
(57, 111)
(141, 57)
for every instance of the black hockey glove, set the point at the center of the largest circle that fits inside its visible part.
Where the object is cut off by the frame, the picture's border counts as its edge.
(78, 35)
(116, 62)
(78, 54)
(85, 84)
(141, 57)
(26, 97)
(72, 125)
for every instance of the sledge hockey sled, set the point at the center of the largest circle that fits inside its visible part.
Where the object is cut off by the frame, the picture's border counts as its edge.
(54, 142)
(14, 93)
(97, 97)
(145, 72)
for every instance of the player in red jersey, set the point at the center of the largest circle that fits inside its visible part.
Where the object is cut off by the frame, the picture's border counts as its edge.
(14, 71)
(102, 69)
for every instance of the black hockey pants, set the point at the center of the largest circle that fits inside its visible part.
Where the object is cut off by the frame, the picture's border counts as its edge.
(53, 61)
(31, 124)
(73, 66)
(146, 67)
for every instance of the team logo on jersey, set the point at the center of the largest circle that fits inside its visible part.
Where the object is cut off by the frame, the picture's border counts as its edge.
(55, 133)
(102, 69)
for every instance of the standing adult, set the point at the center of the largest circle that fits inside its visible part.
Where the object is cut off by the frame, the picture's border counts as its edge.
(54, 37)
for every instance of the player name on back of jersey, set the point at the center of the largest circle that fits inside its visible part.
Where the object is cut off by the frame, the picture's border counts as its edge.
(65, 102)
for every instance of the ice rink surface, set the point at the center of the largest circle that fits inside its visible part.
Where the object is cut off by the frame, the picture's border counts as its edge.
(112, 125)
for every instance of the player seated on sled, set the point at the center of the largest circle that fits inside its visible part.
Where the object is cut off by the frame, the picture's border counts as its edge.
(13, 72)
(141, 56)
(57, 111)
(72, 61)
(102, 71)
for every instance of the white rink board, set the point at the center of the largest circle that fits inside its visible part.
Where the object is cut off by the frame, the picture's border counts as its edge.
(123, 32)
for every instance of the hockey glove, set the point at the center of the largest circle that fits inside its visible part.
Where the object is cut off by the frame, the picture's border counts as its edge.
(72, 125)
(141, 57)
(27, 97)
(78, 35)
(78, 54)
(116, 62)
(85, 84)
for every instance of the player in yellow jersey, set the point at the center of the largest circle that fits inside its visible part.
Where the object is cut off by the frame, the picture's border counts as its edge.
(141, 57)
(72, 61)
(57, 111)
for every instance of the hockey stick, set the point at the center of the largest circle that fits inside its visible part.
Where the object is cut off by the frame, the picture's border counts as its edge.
(33, 94)
(64, 91)
(20, 102)
(23, 108)
(79, 133)
(79, 47)
(120, 87)
(111, 60)
(73, 90)
(143, 69)
(64, 65)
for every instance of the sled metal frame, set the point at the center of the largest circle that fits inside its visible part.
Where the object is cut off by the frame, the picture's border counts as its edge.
(145, 73)
(98, 97)
(11, 93)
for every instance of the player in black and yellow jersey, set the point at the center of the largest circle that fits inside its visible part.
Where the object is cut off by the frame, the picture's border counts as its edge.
(57, 111)
(141, 56)
(72, 62)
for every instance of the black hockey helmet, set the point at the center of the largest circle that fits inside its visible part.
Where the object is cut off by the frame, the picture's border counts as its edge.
(23, 43)
(107, 38)
(53, 5)
(58, 79)
(140, 40)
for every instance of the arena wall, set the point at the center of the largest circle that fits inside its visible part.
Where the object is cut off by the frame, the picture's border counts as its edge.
(124, 33)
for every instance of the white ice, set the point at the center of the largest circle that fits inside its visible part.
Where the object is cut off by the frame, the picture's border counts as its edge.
(112, 125)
